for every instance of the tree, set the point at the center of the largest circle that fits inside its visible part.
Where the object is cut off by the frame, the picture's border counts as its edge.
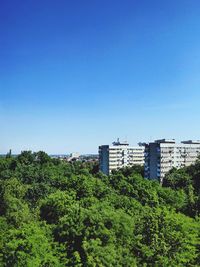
(177, 179)
(55, 206)
(31, 245)
(165, 238)
(26, 157)
(13, 206)
(42, 158)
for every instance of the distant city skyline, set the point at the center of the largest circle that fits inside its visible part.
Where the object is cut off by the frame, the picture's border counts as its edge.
(78, 74)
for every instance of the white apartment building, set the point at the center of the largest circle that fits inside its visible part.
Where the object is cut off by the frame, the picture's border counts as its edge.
(119, 155)
(162, 155)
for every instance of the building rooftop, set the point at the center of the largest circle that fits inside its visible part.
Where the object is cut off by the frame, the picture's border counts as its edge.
(118, 143)
(191, 142)
(172, 141)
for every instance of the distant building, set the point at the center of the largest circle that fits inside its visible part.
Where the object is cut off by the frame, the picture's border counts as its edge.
(75, 155)
(119, 155)
(162, 155)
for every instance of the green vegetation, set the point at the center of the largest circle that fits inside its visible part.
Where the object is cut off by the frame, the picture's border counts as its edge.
(54, 213)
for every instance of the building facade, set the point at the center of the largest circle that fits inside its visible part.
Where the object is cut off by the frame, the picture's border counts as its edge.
(163, 155)
(119, 155)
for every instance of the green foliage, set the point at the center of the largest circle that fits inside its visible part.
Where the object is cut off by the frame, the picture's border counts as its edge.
(13, 206)
(177, 179)
(55, 206)
(165, 238)
(188, 180)
(30, 245)
(54, 213)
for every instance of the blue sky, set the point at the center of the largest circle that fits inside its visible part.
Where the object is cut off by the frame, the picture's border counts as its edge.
(77, 74)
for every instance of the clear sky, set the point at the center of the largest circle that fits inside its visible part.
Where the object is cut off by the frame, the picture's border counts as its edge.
(77, 74)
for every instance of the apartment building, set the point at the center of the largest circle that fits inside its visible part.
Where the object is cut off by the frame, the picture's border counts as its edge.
(119, 155)
(162, 155)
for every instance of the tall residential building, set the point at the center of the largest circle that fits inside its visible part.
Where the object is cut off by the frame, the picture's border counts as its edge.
(162, 155)
(119, 155)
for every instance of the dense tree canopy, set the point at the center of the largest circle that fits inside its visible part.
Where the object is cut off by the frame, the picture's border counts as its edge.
(54, 213)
